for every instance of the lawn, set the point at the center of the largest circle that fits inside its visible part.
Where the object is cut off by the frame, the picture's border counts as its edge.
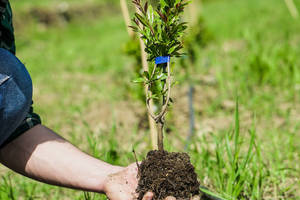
(83, 90)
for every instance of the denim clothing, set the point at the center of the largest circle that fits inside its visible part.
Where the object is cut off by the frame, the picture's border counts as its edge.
(15, 94)
(7, 38)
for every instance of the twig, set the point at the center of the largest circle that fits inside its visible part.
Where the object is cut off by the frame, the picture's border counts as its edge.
(136, 161)
(165, 105)
(153, 72)
(148, 101)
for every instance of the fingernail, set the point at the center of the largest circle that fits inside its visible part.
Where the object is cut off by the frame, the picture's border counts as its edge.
(149, 195)
(170, 198)
(196, 198)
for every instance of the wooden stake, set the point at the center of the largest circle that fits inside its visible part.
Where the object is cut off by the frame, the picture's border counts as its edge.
(152, 124)
(126, 17)
(153, 130)
(193, 12)
(292, 8)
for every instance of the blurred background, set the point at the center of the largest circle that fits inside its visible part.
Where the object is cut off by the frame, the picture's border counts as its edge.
(82, 62)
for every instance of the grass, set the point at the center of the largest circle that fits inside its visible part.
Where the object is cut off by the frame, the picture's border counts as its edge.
(80, 77)
(238, 174)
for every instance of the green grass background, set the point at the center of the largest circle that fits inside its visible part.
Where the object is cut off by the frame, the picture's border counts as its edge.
(81, 79)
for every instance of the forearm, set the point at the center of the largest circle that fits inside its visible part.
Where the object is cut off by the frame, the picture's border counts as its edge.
(43, 155)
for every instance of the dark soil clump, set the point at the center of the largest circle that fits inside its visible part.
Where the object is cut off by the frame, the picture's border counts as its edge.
(167, 174)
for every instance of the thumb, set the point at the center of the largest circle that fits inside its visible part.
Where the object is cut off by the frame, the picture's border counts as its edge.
(195, 198)
(170, 198)
(148, 196)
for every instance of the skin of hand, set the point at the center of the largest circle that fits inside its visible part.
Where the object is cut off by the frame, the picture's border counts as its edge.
(122, 185)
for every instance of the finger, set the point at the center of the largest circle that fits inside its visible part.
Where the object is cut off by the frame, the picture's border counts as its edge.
(170, 198)
(133, 167)
(148, 196)
(195, 198)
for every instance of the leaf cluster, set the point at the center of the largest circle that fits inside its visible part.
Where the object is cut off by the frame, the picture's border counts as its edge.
(160, 27)
(155, 82)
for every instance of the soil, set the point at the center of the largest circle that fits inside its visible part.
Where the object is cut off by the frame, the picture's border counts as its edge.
(167, 174)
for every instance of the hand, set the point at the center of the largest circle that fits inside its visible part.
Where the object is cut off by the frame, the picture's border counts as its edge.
(122, 185)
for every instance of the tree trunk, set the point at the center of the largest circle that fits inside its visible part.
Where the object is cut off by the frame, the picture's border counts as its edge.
(160, 138)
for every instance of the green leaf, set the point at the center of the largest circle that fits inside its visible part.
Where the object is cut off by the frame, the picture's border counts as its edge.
(146, 75)
(146, 7)
(139, 80)
(163, 3)
(154, 96)
(150, 14)
(171, 50)
(134, 28)
(141, 19)
(162, 77)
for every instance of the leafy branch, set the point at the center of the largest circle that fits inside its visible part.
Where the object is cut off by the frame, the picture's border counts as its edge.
(161, 29)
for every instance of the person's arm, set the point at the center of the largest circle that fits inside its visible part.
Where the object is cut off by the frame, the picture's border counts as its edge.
(43, 155)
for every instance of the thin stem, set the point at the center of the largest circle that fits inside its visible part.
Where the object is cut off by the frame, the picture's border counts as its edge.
(165, 105)
(166, 99)
(160, 138)
(148, 102)
(159, 119)
(153, 72)
(137, 164)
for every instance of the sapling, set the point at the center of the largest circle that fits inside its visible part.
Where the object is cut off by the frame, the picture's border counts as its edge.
(161, 29)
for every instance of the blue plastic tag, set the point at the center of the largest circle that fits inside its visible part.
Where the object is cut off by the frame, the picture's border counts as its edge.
(162, 59)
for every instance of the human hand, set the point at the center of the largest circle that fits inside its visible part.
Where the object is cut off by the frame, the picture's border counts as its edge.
(122, 185)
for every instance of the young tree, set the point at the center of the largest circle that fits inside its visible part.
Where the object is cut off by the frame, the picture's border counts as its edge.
(161, 29)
